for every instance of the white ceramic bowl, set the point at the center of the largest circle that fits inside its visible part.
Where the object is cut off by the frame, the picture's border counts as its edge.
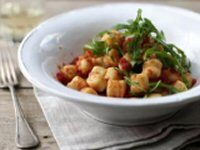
(61, 38)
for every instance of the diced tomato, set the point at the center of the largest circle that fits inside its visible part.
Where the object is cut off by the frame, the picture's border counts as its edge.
(128, 94)
(194, 81)
(147, 41)
(124, 64)
(126, 42)
(153, 56)
(170, 75)
(156, 79)
(89, 53)
(74, 61)
(121, 42)
(62, 78)
(165, 92)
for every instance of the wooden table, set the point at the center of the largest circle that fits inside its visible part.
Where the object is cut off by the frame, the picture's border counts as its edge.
(25, 93)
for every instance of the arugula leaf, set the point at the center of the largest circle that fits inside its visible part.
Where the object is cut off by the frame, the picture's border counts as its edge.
(119, 49)
(140, 26)
(150, 28)
(179, 59)
(139, 15)
(103, 32)
(156, 85)
(130, 83)
(165, 57)
(182, 57)
(176, 52)
(153, 88)
(122, 71)
(139, 29)
(133, 83)
(98, 47)
(121, 26)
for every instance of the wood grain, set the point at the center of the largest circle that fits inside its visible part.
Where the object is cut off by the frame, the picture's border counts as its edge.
(34, 115)
(27, 99)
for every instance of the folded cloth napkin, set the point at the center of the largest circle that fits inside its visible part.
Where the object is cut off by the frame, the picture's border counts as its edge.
(74, 130)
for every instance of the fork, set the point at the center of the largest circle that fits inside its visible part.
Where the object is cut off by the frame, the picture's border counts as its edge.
(25, 137)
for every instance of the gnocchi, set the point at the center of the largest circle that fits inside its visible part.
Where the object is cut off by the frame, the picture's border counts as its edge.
(179, 85)
(69, 71)
(131, 60)
(116, 88)
(84, 66)
(112, 73)
(152, 68)
(140, 83)
(96, 79)
(153, 95)
(89, 90)
(77, 83)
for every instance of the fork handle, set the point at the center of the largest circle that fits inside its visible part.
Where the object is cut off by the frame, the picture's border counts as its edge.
(25, 137)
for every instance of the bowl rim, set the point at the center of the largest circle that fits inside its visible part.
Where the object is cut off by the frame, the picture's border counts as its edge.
(183, 97)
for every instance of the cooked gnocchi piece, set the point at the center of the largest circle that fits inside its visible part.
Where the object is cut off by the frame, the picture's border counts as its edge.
(69, 71)
(140, 83)
(130, 60)
(152, 68)
(153, 95)
(89, 90)
(179, 85)
(190, 79)
(77, 83)
(114, 54)
(170, 75)
(112, 73)
(112, 59)
(98, 61)
(96, 79)
(98, 70)
(108, 61)
(116, 88)
(97, 82)
(113, 38)
(84, 66)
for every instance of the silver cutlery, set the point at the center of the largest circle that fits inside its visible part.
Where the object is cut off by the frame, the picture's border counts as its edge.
(25, 137)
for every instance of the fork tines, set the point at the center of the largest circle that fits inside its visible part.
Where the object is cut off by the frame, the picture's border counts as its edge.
(7, 67)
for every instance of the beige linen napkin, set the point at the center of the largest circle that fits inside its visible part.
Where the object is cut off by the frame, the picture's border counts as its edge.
(74, 130)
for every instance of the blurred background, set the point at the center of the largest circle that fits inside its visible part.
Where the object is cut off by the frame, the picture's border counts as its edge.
(18, 17)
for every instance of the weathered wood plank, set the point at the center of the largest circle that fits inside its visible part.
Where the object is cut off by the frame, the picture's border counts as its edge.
(34, 116)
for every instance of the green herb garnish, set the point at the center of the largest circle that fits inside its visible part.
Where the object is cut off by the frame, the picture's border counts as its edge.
(133, 83)
(154, 86)
(145, 45)
(122, 71)
(130, 83)
(179, 59)
(166, 58)
(98, 47)
(139, 29)
(159, 84)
